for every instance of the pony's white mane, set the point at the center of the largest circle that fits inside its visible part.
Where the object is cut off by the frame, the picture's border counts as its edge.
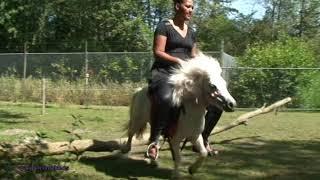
(184, 77)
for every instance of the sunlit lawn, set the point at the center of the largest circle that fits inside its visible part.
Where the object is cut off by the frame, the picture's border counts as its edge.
(285, 145)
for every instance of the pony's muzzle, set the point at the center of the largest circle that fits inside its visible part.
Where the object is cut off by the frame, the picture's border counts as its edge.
(227, 105)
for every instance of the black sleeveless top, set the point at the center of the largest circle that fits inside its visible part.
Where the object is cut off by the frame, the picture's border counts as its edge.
(176, 45)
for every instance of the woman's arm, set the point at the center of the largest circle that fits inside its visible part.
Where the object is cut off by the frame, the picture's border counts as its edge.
(194, 50)
(159, 46)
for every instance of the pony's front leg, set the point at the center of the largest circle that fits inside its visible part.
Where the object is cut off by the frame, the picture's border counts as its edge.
(203, 154)
(175, 150)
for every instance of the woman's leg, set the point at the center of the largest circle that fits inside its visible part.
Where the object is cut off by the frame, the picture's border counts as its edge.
(162, 109)
(211, 119)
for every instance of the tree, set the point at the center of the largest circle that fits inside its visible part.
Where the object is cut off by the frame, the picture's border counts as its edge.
(254, 87)
(61, 25)
(19, 23)
(295, 17)
(213, 25)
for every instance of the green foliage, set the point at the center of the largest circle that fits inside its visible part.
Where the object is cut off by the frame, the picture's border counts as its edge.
(64, 25)
(213, 31)
(315, 45)
(75, 125)
(63, 68)
(118, 69)
(309, 94)
(61, 25)
(214, 25)
(255, 87)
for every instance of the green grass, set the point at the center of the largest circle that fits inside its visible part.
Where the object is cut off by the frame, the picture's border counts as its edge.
(285, 145)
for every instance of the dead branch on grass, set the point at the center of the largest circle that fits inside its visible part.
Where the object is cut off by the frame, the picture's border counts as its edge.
(243, 119)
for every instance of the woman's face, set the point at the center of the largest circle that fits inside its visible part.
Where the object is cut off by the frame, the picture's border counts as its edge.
(185, 9)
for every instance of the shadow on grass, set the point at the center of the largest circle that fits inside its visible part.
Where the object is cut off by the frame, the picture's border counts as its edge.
(22, 168)
(239, 158)
(265, 159)
(126, 168)
(10, 117)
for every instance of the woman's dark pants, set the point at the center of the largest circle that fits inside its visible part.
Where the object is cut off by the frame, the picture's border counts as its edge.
(163, 112)
(211, 119)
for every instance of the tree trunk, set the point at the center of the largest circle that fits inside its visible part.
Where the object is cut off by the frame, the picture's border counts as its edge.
(57, 148)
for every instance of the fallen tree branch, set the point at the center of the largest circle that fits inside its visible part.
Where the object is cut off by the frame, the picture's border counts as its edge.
(243, 119)
(56, 148)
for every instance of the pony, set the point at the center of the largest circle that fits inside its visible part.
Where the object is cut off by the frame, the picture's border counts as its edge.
(197, 83)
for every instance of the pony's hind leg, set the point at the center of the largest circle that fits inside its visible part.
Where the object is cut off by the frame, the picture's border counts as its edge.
(139, 117)
(203, 154)
(127, 146)
(176, 156)
(136, 127)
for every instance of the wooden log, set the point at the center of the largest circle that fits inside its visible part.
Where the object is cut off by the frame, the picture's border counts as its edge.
(56, 148)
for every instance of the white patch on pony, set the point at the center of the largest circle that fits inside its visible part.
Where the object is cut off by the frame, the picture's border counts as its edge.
(191, 71)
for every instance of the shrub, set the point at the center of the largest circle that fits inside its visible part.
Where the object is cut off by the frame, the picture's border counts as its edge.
(255, 87)
(309, 95)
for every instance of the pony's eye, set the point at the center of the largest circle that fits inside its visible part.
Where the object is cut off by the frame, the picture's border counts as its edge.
(213, 87)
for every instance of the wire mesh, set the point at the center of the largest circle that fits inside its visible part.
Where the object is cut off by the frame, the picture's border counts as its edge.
(109, 78)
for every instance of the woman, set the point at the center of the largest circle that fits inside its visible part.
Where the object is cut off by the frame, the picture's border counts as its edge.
(174, 42)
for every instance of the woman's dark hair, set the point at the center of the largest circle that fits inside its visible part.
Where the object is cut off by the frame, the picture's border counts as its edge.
(177, 1)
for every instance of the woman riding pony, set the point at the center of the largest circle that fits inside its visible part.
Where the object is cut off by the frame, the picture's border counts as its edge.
(174, 42)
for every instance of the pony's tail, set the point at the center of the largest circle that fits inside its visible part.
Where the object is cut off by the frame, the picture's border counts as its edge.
(128, 126)
(134, 125)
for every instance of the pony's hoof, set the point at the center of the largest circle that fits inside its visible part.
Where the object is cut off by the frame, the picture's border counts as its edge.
(213, 153)
(151, 162)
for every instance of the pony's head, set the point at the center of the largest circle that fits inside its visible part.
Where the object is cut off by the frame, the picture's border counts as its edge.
(200, 78)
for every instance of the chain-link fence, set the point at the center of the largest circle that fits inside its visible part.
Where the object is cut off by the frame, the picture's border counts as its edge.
(109, 78)
(100, 66)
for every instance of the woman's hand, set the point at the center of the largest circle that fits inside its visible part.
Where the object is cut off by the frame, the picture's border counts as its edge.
(180, 61)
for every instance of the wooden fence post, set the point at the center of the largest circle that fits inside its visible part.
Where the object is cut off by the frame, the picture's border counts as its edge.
(86, 101)
(43, 96)
(25, 61)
